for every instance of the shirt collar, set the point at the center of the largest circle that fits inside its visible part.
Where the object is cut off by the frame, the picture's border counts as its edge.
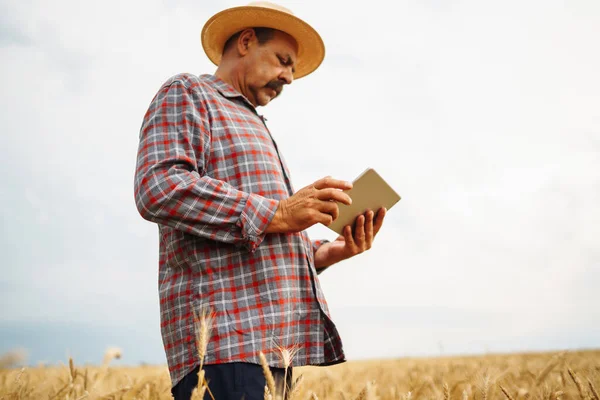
(227, 90)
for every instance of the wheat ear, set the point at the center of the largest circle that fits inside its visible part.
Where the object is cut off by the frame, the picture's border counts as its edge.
(367, 392)
(446, 391)
(267, 372)
(485, 388)
(547, 369)
(593, 390)
(577, 383)
(508, 396)
(267, 395)
(556, 395)
(73, 373)
(363, 393)
(287, 355)
(203, 324)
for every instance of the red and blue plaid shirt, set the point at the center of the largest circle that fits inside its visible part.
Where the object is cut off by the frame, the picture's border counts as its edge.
(211, 176)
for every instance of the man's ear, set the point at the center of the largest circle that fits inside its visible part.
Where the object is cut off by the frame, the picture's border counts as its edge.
(246, 40)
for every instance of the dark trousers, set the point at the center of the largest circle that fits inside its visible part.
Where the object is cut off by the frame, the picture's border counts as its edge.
(232, 381)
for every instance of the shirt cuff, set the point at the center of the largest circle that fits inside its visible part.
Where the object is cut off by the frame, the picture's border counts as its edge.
(315, 245)
(318, 243)
(257, 213)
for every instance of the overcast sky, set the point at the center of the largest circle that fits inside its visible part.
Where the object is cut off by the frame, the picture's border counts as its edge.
(484, 115)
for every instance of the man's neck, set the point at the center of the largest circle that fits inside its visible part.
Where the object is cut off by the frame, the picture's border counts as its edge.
(230, 76)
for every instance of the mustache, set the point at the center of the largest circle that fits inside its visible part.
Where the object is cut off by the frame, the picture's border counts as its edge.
(276, 85)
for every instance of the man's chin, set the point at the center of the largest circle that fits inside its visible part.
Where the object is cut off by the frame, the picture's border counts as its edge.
(264, 100)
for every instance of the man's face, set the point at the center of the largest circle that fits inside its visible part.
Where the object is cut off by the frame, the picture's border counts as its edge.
(268, 67)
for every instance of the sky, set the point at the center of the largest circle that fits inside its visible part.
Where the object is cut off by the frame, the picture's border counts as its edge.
(483, 115)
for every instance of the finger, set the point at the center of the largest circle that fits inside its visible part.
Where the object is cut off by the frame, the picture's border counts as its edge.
(379, 220)
(324, 218)
(335, 195)
(359, 232)
(329, 207)
(348, 236)
(369, 228)
(329, 182)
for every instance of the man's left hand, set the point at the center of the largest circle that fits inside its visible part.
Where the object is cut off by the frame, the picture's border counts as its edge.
(351, 243)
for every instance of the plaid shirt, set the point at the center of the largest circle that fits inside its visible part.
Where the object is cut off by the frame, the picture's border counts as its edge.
(211, 176)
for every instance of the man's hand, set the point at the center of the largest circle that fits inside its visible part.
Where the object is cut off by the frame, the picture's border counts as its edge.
(316, 203)
(349, 245)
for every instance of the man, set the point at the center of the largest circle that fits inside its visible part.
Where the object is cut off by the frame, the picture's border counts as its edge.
(232, 230)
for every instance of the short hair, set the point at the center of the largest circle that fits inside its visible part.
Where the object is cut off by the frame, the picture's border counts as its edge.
(263, 35)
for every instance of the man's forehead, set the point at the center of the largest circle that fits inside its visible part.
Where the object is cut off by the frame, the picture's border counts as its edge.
(285, 43)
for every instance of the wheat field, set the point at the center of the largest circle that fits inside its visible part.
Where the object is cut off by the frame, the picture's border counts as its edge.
(564, 375)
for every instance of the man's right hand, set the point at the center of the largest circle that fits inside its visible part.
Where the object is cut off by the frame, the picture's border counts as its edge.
(316, 203)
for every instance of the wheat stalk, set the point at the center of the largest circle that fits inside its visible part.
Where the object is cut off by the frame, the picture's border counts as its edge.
(110, 354)
(201, 388)
(549, 367)
(198, 392)
(446, 391)
(202, 382)
(593, 390)
(557, 394)
(367, 393)
(508, 396)
(485, 387)
(577, 383)
(85, 380)
(295, 390)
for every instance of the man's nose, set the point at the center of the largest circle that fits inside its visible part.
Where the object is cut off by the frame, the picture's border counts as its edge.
(287, 76)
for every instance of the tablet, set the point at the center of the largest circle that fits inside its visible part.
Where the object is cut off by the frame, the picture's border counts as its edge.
(369, 192)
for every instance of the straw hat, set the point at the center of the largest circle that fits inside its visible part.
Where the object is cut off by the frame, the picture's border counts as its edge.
(221, 26)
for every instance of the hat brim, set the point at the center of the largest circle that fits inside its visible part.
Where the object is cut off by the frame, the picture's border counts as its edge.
(221, 26)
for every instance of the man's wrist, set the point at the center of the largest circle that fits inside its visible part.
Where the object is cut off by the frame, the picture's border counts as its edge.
(321, 257)
(322, 261)
(277, 224)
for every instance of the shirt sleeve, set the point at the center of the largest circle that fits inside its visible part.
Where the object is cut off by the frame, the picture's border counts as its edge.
(315, 245)
(171, 186)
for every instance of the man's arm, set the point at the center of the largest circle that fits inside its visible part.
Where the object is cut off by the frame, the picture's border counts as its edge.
(315, 246)
(171, 187)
